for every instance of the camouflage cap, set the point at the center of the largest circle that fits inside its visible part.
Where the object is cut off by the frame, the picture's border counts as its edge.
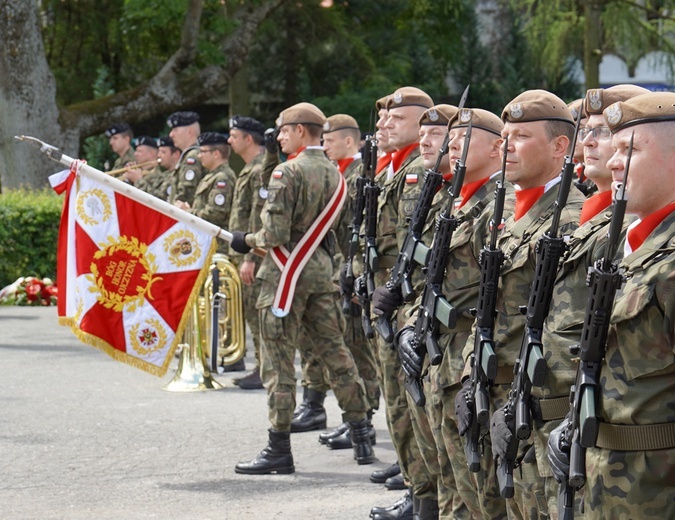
(117, 128)
(381, 103)
(654, 107)
(182, 119)
(165, 141)
(247, 124)
(301, 114)
(409, 97)
(575, 108)
(212, 138)
(598, 99)
(482, 119)
(536, 105)
(340, 122)
(146, 140)
(438, 115)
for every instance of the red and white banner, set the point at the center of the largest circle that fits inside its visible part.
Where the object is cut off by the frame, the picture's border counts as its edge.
(127, 273)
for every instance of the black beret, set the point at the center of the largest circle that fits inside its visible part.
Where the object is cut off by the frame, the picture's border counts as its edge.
(146, 140)
(117, 128)
(165, 141)
(212, 138)
(247, 124)
(182, 119)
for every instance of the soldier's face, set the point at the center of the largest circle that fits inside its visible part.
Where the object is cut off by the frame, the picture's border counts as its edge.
(431, 140)
(207, 156)
(237, 140)
(597, 152)
(530, 158)
(336, 146)
(145, 153)
(167, 158)
(483, 148)
(403, 126)
(289, 138)
(182, 137)
(651, 177)
(119, 143)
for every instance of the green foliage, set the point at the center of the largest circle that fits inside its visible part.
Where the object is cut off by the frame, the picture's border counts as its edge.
(96, 148)
(28, 235)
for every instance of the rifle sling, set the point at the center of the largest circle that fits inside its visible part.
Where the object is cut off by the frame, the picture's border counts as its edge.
(544, 410)
(641, 437)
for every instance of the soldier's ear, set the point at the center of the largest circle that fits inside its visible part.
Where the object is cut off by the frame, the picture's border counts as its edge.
(561, 144)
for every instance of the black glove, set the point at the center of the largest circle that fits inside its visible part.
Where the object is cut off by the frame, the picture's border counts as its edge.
(463, 411)
(559, 452)
(500, 434)
(271, 143)
(239, 242)
(410, 359)
(385, 302)
(346, 286)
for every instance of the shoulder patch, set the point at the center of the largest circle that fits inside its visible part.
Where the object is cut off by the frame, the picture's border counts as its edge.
(277, 174)
(189, 175)
(411, 178)
(190, 160)
(219, 199)
(221, 184)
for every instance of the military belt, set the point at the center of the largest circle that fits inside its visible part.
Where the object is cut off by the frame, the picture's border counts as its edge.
(641, 437)
(504, 376)
(544, 410)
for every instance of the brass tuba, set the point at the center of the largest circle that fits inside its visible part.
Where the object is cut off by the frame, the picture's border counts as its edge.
(221, 311)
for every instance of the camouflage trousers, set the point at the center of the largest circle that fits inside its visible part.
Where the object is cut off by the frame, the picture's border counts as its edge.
(630, 484)
(314, 374)
(399, 422)
(318, 314)
(458, 487)
(250, 296)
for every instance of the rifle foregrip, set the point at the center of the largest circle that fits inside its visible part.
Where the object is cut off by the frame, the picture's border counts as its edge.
(414, 388)
(367, 326)
(472, 449)
(346, 305)
(384, 328)
(434, 349)
(505, 479)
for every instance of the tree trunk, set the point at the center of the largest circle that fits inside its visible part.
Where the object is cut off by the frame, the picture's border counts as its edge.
(593, 42)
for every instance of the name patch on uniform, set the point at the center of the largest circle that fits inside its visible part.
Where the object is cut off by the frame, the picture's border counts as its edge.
(219, 199)
(190, 160)
(189, 175)
(411, 178)
(277, 174)
(221, 184)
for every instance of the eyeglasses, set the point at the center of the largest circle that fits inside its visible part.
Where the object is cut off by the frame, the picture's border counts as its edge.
(600, 133)
(205, 150)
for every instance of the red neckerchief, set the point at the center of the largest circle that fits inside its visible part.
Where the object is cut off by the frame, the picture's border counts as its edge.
(637, 235)
(447, 177)
(595, 205)
(469, 189)
(343, 164)
(525, 199)
(401, 155)
(579, 170)
(296, 153)
(383, 162)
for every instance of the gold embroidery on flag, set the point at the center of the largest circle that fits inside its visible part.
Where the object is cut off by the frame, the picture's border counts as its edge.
(151, 339)
(183, 248)
(93, 207)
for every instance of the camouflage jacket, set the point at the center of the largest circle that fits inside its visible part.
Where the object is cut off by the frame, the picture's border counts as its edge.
(213, 198)
(343, 232)
(247, 203)
(154, 183)
(186, 176)
(518, 242)
(125, 159)
(299, 190)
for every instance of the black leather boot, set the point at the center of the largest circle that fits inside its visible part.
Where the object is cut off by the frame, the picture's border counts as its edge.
(325, 437)
(275, 458)
(381, 475)
(313, 416)
(395, 482)
(363, 451)
(344, 440)
(299, 408)
(425, 509)
(401, 510)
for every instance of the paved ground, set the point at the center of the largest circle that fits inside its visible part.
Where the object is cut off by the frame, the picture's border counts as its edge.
(85, 437)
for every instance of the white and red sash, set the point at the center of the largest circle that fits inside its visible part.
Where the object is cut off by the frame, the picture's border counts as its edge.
(291, 264)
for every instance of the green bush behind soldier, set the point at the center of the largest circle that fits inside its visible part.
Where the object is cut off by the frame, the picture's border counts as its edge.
(119, 136)
(299, 190)
(247, 139)
(631, 470)
(213, 196)
(539, 127)
(184, 131)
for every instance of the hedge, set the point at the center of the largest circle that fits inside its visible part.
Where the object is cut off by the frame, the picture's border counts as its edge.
(29, 226)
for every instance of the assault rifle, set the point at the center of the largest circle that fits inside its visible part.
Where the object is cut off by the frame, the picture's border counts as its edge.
(434, 308)
(530, 366)
(371, 263)
(604, 279)
(414, 252)
(483, 359)
(369, 164)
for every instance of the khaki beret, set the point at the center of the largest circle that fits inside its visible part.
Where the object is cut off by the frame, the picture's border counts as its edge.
(381, 103)
(481, 119)
(409, 97)
(575, 108)
(339, 122)
(301, 114)
(438, 115)
(645, 108)
(598, 99)
(536, 105)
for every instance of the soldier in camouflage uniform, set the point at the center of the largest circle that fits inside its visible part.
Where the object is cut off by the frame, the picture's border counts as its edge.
(246, 140)
(400, 188)
(461, 289)
(539, 127)
(146, 152)
(631, 470)
(119, 136)
(184, 132)
(167, 156)
(213, 197)
(300, 189)
(567, 312)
